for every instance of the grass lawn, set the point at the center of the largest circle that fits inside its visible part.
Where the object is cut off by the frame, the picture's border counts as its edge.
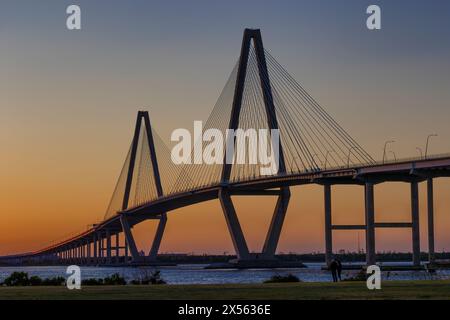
(285, 291)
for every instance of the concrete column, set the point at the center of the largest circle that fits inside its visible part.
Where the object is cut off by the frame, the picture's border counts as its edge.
(126, 250)
(129, 237)
(108, 246)
(100, 248)
(237, 236)
(89, 257)
(328, 225)
(430, 200)
(415, 222)
(276, 224)
(117, 247)
(95, 248)
(86, 255)
(370, 224)
(153, 254)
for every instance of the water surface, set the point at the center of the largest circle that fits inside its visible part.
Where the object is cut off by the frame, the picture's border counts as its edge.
(196, 274)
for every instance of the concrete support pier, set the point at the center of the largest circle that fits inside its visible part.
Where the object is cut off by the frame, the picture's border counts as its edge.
(370, 224)
(153, 254)
(237, 236)
(430, 208)
(108, 247)
(276, 224)
(117, 248)
(415, 222)
(95, 249)
(129, 240)
(328, 224)
(100, 247)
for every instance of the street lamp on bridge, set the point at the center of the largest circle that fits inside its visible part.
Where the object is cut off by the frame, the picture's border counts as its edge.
(393, 153)
(420, 152)
(384, 149)
(428, 140)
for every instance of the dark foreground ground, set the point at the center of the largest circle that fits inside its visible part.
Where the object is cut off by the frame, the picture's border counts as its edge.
(284, 291)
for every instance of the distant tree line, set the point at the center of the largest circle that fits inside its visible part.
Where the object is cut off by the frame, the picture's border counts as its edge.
(304, 257)
(22, 279)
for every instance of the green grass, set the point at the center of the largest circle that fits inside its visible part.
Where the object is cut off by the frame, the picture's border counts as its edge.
(285, 291)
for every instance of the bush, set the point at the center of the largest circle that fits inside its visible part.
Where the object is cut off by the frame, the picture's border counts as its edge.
(280, 278)
(17, 279)
(57, 281)
(152, 278)
(35, 281)
(114, 280)
(21, 279)
(92, 282)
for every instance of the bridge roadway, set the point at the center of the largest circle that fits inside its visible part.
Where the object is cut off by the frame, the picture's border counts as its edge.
(79, 248)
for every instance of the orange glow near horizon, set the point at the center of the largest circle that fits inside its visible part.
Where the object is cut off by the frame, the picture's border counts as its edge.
(36, 221)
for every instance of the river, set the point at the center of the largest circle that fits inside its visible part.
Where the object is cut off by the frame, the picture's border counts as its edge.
(196, 274)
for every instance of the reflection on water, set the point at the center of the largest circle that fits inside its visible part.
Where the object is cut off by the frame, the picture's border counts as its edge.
(195, 274)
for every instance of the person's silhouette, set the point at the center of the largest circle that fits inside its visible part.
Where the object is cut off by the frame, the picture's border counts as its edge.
(333, 268)
(339, 268)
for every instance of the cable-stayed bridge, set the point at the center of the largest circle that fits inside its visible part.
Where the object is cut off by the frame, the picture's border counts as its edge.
(313, 149)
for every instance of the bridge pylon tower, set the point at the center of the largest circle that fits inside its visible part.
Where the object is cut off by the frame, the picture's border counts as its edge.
(142, 118)
(283, 193)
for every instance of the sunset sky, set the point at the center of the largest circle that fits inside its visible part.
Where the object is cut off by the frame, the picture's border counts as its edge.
(68, 102)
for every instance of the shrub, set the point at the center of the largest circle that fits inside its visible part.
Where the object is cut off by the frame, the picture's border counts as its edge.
(92, 282)
(114, 280)
(56, 281)
(152, 278)
(280, 278)
(35, 281)
(17, 279)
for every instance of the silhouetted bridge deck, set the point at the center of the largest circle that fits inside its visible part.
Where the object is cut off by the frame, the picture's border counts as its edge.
(314, 149)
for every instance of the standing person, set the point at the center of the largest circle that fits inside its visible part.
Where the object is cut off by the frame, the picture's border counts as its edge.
(333, 268)
(339, 268)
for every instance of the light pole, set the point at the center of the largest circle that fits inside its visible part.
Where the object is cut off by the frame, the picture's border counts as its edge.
(393, 153)
(384, 149)
(428, 140)
(420, 151)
